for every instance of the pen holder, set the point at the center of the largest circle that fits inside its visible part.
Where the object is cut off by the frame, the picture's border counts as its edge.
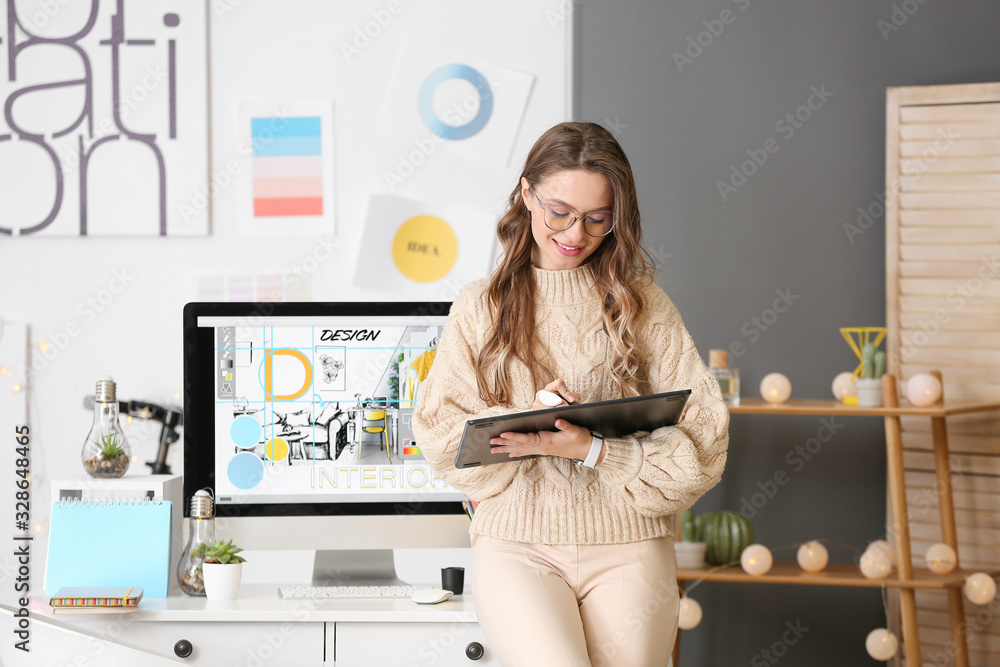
(453, 579)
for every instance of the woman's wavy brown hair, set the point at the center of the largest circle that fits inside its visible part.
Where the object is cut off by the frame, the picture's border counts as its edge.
(618, 266)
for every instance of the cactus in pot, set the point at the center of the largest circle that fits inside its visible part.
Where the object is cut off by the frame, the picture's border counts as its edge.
(691, 526)
(872, 362)
(870, 383)
(690, 551)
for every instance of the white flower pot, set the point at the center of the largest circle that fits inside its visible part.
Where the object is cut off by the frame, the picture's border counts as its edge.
(869, 393)
(690, 555)
(222, 582)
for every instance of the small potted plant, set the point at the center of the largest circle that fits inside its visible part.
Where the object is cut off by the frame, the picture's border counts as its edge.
(106, 456)
(691, 549)
(870, 383)
(222, 570)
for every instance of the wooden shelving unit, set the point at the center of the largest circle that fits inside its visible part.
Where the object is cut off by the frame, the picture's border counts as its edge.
(757, 406)
(907, 579)
(785, 572)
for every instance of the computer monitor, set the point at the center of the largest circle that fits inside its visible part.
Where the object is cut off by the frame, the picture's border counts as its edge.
(299, 417)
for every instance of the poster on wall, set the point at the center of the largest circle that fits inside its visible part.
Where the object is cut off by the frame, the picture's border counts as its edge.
(421, 249)
(97, 94)
(289, 188)
(469, 106)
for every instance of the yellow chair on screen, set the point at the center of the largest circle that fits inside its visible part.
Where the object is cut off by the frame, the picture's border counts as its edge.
(375, 422)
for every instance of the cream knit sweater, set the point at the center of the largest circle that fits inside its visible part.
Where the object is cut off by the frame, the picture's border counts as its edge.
(643, 479)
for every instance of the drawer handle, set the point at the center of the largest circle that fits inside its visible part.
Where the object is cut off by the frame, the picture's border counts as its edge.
(183, 648)
(474, 651)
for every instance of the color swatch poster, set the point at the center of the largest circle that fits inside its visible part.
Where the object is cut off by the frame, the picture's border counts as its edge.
(422, 250)
(471, 108)
(105, 123)
(287, 167)
(288, 189)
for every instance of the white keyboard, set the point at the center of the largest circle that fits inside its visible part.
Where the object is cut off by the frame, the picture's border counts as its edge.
(346, 592)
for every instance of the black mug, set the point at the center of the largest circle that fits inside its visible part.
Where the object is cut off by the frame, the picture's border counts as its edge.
(453, 579)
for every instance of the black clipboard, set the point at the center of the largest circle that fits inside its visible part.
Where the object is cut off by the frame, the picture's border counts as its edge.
(612, 419)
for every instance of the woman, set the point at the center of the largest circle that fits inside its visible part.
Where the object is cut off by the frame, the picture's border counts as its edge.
(573, 558)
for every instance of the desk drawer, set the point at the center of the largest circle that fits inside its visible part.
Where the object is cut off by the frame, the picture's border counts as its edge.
(219, 643)
(410, 645)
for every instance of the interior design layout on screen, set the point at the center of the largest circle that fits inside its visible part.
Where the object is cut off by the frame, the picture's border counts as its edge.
(322, 412)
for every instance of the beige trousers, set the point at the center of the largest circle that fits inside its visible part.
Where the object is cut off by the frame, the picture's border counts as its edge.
(576, 606)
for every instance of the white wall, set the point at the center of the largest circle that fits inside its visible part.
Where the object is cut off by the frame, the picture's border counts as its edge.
(113, 306)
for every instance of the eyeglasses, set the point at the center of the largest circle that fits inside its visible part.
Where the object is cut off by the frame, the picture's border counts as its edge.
(558, 218)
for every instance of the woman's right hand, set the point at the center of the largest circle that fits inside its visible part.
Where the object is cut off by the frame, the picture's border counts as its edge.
(557, 386)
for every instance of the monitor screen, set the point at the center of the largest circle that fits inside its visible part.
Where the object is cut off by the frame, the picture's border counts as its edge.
(295, 409)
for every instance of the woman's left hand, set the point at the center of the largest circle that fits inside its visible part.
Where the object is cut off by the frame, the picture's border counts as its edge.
(570, 441)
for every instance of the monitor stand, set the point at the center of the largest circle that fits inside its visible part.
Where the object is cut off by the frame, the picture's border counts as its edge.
(355, 567)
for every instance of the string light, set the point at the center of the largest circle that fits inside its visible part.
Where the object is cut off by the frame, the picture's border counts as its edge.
(756, 560)
(812, 557)
(881, 644)
(980, 588)
(923, 389)
(843, 386)
(4, 370)
(690, 613)
(885, 547)
(775, 388)
(875, 564)
(941, 558)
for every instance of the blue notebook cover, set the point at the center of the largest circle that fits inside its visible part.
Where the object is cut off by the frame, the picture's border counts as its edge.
(110, 543)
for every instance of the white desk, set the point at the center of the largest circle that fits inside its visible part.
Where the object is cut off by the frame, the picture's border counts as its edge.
(260, 629)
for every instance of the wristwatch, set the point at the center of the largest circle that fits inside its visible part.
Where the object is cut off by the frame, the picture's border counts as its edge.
(596, 445)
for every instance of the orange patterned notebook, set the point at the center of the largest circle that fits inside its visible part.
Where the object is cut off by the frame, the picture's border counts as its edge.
(95, 596)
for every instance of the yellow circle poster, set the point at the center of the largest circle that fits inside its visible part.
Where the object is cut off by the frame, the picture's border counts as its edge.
(425, 248)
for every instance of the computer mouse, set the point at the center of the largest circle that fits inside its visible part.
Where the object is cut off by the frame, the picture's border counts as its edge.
(431, 595)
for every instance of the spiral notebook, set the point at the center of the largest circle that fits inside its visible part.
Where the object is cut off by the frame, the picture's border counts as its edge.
(110, 543)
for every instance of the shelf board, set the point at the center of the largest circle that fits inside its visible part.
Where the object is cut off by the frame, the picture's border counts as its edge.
(803, 406)
(835, 574)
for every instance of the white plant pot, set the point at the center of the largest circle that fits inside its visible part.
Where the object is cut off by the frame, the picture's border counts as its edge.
(690, 555)
(222, 582)
(869, 393)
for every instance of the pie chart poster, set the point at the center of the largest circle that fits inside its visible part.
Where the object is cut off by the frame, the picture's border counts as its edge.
(423, 250)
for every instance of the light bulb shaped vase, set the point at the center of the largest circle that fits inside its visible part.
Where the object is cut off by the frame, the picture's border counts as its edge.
(106, 451)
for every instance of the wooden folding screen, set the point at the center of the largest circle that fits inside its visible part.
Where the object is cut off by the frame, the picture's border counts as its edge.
(943, 312)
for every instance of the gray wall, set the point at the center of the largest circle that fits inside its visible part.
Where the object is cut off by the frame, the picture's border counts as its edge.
(722, 261)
